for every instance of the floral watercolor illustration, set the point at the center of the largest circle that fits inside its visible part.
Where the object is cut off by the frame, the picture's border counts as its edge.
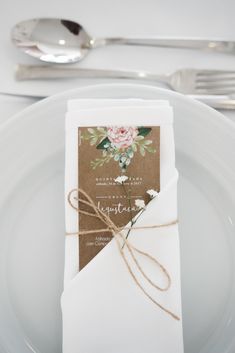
(119, 143)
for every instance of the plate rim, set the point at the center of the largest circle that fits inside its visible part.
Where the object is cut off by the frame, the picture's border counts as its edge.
(189, 100)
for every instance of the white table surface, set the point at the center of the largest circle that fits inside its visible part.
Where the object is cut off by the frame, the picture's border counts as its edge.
(144, 18)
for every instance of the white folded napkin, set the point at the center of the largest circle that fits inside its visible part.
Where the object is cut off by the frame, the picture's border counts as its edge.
(104, 310)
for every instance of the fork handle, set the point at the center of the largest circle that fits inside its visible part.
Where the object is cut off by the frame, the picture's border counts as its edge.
(34, 72)
(222, 46)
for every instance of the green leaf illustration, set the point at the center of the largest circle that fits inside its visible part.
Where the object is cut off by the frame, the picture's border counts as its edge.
(142, 151)
(102, 130)
(91, 131)
(93, 141)
(139, 138)
(144, 131)
(104, 142)
(99, 162)
(148, 142)
(134, 147)
(116, 157)
(151, 149)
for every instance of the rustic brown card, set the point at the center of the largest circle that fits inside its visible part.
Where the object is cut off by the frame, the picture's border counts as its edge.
(104, 153)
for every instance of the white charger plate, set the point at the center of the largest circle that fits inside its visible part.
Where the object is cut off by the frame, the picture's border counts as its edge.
(32, 221)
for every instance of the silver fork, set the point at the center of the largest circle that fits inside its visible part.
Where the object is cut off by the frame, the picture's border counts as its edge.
(187, 81)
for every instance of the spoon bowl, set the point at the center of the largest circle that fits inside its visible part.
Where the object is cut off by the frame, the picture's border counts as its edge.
(52, 40)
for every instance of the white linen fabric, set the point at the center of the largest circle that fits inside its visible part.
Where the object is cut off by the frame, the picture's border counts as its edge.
(104, 311)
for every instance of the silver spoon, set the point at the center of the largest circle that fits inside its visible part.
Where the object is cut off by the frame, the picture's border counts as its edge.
(56, 40)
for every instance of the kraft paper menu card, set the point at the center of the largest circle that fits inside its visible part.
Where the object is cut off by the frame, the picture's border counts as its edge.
(122, 260)
(103, 154)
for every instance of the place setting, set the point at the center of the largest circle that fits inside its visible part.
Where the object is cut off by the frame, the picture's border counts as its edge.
(117, 198)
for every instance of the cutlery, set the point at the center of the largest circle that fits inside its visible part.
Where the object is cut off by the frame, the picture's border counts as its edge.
(55, 40)
(187, 81)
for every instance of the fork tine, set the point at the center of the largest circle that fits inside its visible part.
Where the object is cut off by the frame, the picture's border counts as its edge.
(215, 72)
(215, 90)
(215, 84)
(215, 79)
(214, 75)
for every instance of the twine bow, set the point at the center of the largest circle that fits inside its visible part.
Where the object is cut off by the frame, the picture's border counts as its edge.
(123, 242)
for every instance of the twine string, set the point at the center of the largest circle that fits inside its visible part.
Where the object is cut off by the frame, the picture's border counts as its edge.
(123, 243)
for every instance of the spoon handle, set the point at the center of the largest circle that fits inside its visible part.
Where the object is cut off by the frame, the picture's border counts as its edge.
(34, 72)
(222, 46)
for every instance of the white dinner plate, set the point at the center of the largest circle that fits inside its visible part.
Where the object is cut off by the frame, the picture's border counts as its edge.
(32, 221)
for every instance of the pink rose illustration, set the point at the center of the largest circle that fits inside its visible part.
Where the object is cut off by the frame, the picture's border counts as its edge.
(122, 136)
